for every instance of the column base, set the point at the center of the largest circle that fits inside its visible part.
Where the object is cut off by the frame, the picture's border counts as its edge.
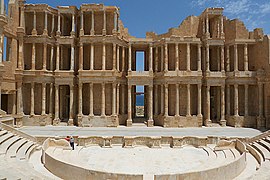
(45, 32)
(92, 32)
(70, 122)
(72, 33)
(208, 122)
(34, 32)
(223, 123)
(56, 122)
(104, 32)
(150, 123)
(200, 120)
(81, 32)
(129, 122)
(260, 122)
(79, 117)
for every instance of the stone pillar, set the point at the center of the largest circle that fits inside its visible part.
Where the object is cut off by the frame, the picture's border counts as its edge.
(162, 99)
(52, 25)
(21, 54)
(227, 58)
(235, 58)
(222, 119)
(91, 100)
(207, 25)
(51, 99)
(71, 112)
(45, 31)
(34, 31)
(123, 59)
(113, 99)
(82, 27)
(81, 57)
(72, 58)
(246, 100)
(123, 99)
(2, 9)
(199, 106)
(188, 56)
(129, 57)
(32, 112)
(162, 59)
(156, 59)
(222, 26)
(80, 99)
(103, 56)
(208, 106)
(228, 100)
(207, 58)
(19, 99)
(117, 99)
(44, 57)
(114, 57)
(222, 58)
(177, 100)
(22, 17)
(236, 100)
(43, 108)
(151, 58)
(150, 121)
(51, 58)
(129, 120)
(156, 97)
(56, 113)
(92, 57)
(118, 58)
(59, 24)
(246, 57)
(166, 101)
(57, 56)
(33, 67)
(176, 57)
(166, 58)
(188, 100)
(92, 31)
(104, 23)
(72, 33)
(115, 22)
(103, 101)
(199, 58)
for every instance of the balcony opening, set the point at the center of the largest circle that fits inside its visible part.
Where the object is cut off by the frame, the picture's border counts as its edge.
(139, 103)
(140, 61)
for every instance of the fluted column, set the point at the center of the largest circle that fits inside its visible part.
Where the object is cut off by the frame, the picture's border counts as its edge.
(22, 17)
(176, 57)
(199, 105)
(59, 24)
(117, 98)
(51, 58)
(123, 99)
(236, 100)
(123, 58)
(246, 57)
(188, 56)
(82, 26)
(222, 104)
(222, 26)
(207, 58)
(92, 57)
(32, 112)
(92, 31)
(222, 58)
(104, 23)
(81, 57)
(72, 58)
(199, 57)
(91, 100)
(57, 56)
(113, 99)
(129, 57)
(208, 105)
(156, 59)
(162, 99)
(71, 113)
(228, 100)
(34, 31)
(150, 106)
(227, 58)
(56, 116)
(44, 57)
(103, 56)
(129, 120)
(115, 20)
(188, 100)
(43, 108)
(20, 54)
(45, 31)
(151, 58)
(51, 99)
(114, 56)
(19, 99)
(103, 100)
(166, 58)
(80, 99)
(72, 33)
(246, 100)
(162, 59)
(33, 67)
(207, 25)
(52, 32)
(118, 58)
(166, 101)
(235, 58)
(177, 100)
(156, 97)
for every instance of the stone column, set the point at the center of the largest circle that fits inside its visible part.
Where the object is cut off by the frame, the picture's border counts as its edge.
(113, 99)
(22, 17)
(129, 120)
(71, 113)
(151, 58)
(114, 57)
(104, 23)
(156, 99)
(177, 100)
(188, 100)
(208, 106)
(118, 58)
(162, 99)
(199, 58)
(176, 57)
(156, 59)
(236, 100)
(59, 24)
(246, 57)
(246, 100)
(19, 99)
(43, 108)
(44, 57)
(222, 58)
(33, 67)
(72, 58)
(117, 99)
(2, 9)
(123, 59)
(166, 101)
(72, 33)
(92, 31)
(56, 116)
(129, 57)
(123, 99)
(52, 25)
(45, 31)
(81, 57)
(207, 25)
(1, 47)
(188, 56)
(103, 101)
(150, 122)
(57, 56)
(228, 100)
(92, 57)
(235, 58)
(261, 96)
(222, 119)
(115, 23)
(166, 58)
(162, 59)
(227, 58)
(34, 31)
(51, 99)
(199, 106)
(222, 26)
(80, 99)
(91, 100)
(103, 56)
(82, 27)
(207, 58)
(32, 112)
(21, 54)
(51, 59)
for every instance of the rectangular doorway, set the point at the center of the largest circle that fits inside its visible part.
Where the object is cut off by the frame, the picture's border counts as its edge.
(140, 104)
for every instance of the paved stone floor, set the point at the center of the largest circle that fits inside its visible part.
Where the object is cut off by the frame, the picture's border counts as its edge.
(139, 131)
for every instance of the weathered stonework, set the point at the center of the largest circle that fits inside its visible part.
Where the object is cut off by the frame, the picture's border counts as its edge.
(78, 67)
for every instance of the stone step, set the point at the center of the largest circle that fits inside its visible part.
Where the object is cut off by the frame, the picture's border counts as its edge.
(6, 145)
(5, 137)
(11, 152)
(255, 146)
(3, 132)
(210, 152)
(235, 152)
(265, 144)
(21, 154)
(265, 152)
(229, 154)
(30, 151)
(250, 170)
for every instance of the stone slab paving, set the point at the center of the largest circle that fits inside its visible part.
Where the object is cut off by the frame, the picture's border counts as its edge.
(138, 131)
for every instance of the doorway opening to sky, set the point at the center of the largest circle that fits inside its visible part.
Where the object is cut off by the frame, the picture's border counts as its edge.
(140, 102)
